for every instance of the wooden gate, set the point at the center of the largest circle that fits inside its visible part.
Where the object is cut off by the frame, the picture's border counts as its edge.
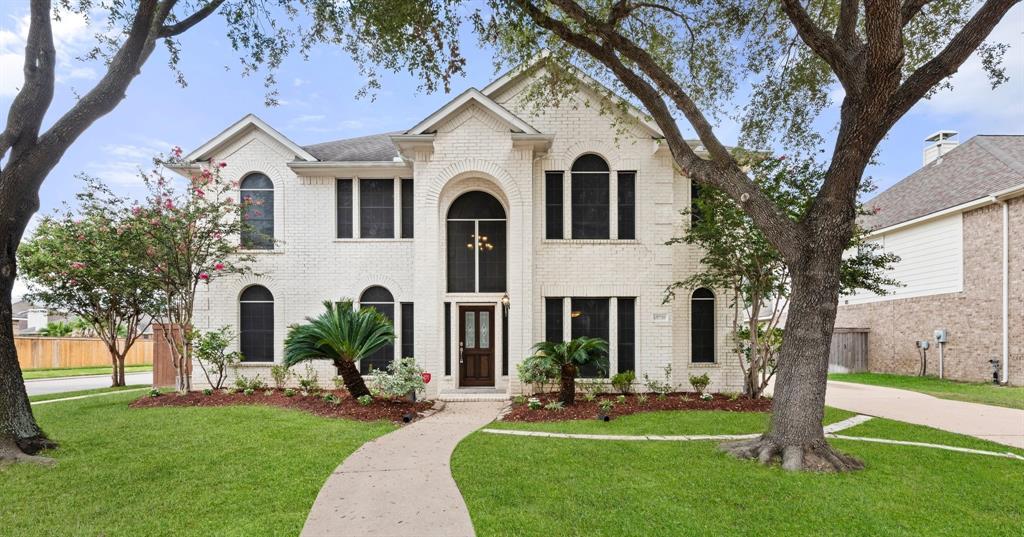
(849, 350)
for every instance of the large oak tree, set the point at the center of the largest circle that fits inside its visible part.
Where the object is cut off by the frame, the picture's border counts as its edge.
(688, 62)
(262, 31)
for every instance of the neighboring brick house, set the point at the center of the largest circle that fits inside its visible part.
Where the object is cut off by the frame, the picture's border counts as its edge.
(958, 225)
(559, 212)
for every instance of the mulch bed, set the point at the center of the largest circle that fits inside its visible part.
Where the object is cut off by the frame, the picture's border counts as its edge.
(588, 410)
(381, 409)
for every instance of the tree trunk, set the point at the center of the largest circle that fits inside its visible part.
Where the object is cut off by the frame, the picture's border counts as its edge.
(567, 392)
(120, 371)
(795, 434)
(19, 432)
(353, 379)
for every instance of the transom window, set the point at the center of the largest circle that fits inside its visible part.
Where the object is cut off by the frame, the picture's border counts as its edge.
(257, 192)
(256, 324)
(477, 245)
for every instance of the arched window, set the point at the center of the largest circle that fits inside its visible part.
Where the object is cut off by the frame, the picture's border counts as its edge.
(477, 245)
(590, 216)
(383, 301)
(258, 193)
(256, 324)
(702, 326)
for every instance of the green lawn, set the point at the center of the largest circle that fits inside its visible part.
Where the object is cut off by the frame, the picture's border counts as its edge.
(245, 470)
(34, 374)
(549, 486)
(984, 393)
(76, 393)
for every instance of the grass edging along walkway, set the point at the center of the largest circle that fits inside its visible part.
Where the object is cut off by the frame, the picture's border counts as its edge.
(77, 394)
(40, 374)
(972, 392)
(239, 470)
(516, 485)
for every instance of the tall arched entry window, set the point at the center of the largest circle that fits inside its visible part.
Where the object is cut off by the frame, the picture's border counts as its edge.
(257, 191)
(477, 244)
(256, 324)
(383, 301)
(702, 326)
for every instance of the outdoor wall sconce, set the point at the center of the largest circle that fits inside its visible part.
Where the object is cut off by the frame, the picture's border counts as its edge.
(506, 303)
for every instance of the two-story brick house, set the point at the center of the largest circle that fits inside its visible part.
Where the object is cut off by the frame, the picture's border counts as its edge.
(481, 230)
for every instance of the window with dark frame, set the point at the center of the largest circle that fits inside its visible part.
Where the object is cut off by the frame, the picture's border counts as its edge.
(590, 195)
(553, 320)
(694, 209)
(257, 194)
(383, 301)
(626, 319)
(477, 245)
(627, 205)
(447, 339)
(407, 330)
(702, 326)
(377, 208)
(504, 343)
(589, 317)
(256, 324)
(407, 204)
(553, 207)
(344, 195)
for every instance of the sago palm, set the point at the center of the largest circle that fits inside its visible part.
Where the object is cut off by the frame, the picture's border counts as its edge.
(569, 356)
(341, 334)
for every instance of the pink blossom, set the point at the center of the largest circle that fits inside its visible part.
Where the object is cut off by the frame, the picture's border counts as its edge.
(73, 281)
(136, 210)
(204, 276)
(77, 265)
(176, 151)
(218, 235)
(200, 193)
(169, 203)
(222, 164)
(154, 221)
(877, 210)
(230, 199)
(218, 266)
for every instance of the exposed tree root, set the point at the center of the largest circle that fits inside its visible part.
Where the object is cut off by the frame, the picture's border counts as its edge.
(35, 444)
(11, 453)
(816, 456)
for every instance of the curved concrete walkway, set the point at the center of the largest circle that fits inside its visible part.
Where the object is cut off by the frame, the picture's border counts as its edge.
(997, 424)
(401, 483)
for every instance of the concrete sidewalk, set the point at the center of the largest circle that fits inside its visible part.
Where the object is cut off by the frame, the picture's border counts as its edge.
(997, 424)
(401, 483)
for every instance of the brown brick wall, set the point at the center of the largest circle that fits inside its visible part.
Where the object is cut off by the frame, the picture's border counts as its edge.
(972, 318)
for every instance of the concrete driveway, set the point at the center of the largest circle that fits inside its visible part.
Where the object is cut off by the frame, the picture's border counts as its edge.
(71, 384)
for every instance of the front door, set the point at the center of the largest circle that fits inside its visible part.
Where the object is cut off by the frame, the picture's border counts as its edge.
(476, 346)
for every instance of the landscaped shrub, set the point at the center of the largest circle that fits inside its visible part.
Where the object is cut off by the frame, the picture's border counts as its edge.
(247, 384)
(154, 392)
(642, 398)
(309, 382)
(288, 392)
(589, 397)
(706, 397)
(594, 387)
(248, 391)
(606, 406)
(621, 400)
(554, 405)
(210, 349)
(700, 382)
(519, 399)
(268, 392)
(339, 383)
(534, 403)
(365, 400)
(660, 387)
(538, 372)
(280, 374)
(624, 381)
(402, 378)
(569, 356)
(207, 391)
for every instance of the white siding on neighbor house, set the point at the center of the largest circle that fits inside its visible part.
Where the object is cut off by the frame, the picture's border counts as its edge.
(931, 259)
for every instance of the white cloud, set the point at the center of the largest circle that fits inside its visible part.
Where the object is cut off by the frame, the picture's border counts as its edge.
(72, 37)
(299, 82)
(972, 99)
(124, 161)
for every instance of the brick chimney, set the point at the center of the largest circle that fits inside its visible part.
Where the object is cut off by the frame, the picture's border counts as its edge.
(942, 142)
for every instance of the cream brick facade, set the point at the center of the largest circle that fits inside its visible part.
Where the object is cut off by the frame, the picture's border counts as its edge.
(474, 148)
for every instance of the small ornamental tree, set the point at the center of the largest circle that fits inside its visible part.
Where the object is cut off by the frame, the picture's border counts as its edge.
(737, 257)
(87, 262)
(190, 237)
(211, 351)
(568, 357)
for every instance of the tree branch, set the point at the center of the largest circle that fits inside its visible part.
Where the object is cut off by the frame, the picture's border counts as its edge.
(910, 9)
(949, 60)
(171, 30)
(820, 43)
(33, 100)
(846, 30)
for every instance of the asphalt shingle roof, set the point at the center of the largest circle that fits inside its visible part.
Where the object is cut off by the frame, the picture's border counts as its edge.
(375, 147)
(976, 168)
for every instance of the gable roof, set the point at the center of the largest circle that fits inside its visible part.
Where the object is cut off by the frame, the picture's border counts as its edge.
(250, 121)
(979, 167)
(372, 148)
(472, 95)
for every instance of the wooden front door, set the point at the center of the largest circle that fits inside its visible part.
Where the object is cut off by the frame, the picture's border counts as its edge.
(476, 346)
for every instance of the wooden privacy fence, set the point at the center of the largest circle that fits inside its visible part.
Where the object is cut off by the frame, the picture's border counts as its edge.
(55, 352)
(849, 350)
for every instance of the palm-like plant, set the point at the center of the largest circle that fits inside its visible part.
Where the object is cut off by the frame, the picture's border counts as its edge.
(342, 334)
(569, 356)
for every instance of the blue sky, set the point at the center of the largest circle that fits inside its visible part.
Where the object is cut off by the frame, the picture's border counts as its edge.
(317, 102)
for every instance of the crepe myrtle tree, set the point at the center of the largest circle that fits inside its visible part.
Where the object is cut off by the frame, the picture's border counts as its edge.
(737, 257)
(263, 32)
(189, 237)
(343, 335)
(688, 65)
(87, 262)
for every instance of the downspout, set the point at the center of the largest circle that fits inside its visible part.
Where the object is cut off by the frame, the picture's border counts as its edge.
(1006, 292)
